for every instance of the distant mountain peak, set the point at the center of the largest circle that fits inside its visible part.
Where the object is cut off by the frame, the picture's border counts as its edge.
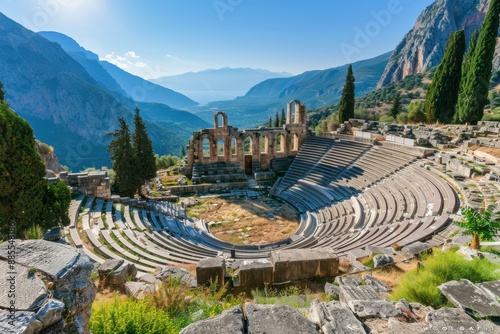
(423, 47)
(68, 43)
(217, 84)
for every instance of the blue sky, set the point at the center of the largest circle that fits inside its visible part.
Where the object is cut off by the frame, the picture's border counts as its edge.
(152, 38)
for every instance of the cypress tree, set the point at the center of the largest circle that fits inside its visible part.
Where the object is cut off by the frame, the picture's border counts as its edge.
(465, 71)
(22, 183)
(145, 166)
(396, 107)
(442, 96)
(474, 95)
(283, 117)
(346, 107)
(277, 120)
(122, 154)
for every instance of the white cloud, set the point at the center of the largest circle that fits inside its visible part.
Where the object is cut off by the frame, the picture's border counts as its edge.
(117, 60)
(140, 64)
(132, 54)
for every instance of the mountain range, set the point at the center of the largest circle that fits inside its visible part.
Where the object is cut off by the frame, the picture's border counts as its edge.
(314, 88)
(72, 99)
(217, 84)
(73, 107)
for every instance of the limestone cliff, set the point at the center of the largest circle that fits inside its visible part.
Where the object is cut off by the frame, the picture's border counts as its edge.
(423, 47)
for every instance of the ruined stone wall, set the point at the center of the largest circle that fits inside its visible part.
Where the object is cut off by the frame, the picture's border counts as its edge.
(91, 184)
(283, 265)
(252, 149)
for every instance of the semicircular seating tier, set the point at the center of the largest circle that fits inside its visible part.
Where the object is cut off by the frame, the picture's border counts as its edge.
(349, 195)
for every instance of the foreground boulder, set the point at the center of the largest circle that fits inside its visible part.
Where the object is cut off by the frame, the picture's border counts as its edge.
(114, 273)
(276, 319)
(229, 322)
(42, 269)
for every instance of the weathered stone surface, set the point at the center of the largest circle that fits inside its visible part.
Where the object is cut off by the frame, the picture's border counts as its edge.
(380, 260)
(405, 308)
(398, 327)
(449, 319)
(348, 280)
(117, 277)
(29, 288)
(375, 283)
(277, 319)
(148, 278)
(50, 312)
(109, 265)
(373, 309)
(298, 264)
(416, 248)
(52, 258)
(485, 327)
(334, 318)
(363, 292)
(181, 274)
(24, 323)
(230, 322)
(331, 290)
(467, 296)
(357, 254)
(470, 253)
(256, 272)
(138, 289)
(67, 270)
(381, 250)
(491, 288)
(210, 269)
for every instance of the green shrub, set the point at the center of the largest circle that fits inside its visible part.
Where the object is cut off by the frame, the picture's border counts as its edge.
(33, 232)
(369, 263)
(45, 149)
(130, 316)
(421, 285)
(387, 119)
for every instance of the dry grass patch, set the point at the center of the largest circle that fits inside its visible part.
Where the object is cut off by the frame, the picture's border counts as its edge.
(489, 150)
(243, 221)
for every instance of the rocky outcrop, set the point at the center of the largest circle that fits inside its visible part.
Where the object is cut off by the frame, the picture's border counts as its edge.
(362, 310)
(423, 47)
(50, 160)
(49, 288)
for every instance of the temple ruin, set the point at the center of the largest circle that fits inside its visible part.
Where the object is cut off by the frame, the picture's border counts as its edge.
(226, 154)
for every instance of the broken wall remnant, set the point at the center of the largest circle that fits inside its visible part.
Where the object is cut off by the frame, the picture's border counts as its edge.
(252, 150)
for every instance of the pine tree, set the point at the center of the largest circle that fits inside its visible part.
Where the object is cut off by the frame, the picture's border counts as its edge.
(475, 85)
(277, 120)
(442, 96)
(396, 107)
(283, 117)
(465, 71)
(145, 167)
(122, 154)
(346, 107)
(22, 183)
